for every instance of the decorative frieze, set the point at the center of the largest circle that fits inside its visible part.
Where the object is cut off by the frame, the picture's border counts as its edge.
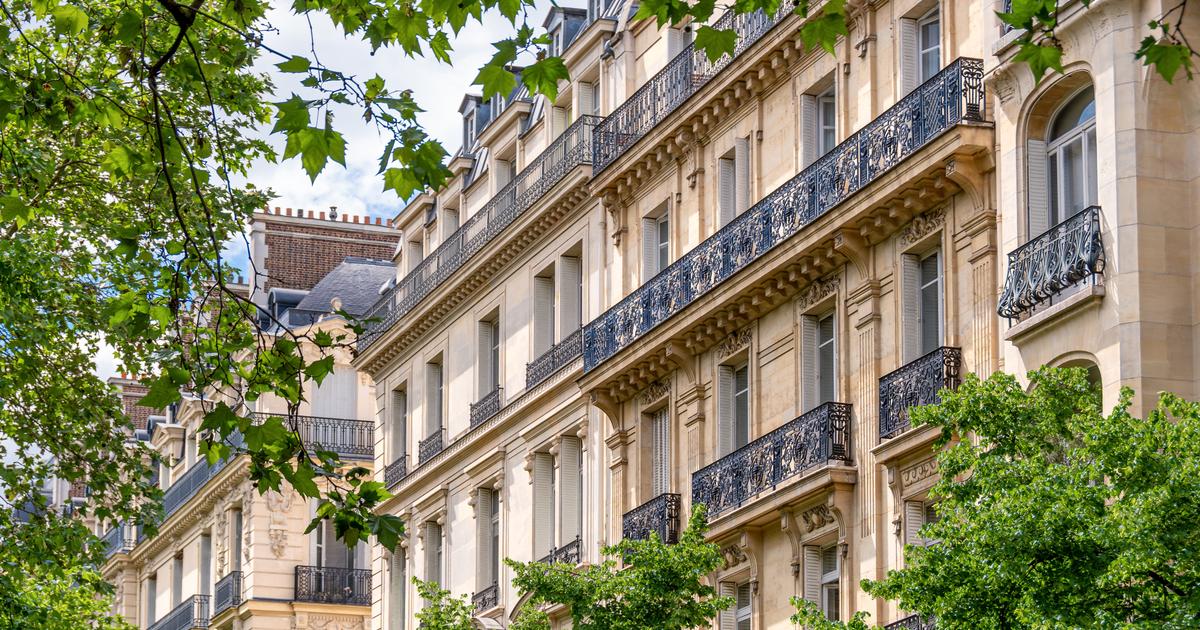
(734, 342)
(816, 292)
(918, 472)
(655, 392)
(816, 517)
(923, 225)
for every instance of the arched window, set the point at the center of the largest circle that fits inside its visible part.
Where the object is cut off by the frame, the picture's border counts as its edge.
(1062, 168)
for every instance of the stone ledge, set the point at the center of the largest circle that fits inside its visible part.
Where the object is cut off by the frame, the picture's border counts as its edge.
(1090, 295)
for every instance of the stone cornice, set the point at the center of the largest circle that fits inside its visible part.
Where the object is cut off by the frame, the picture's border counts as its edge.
(196, 509)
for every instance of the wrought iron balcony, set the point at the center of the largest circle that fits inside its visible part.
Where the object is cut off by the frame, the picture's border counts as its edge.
(487, 407)
(228, 592)
(350, 439)
(396, 471)
(486, 599)
(554, 359)
(333, 585)
(572, 148)
(955, 95)
(1067, 256)
(117, 540)
(192, 613)
(430, 446)
(913, 385)
(682, 77)
(812, 440)
(569, 553)
(912, 622)
(186, 486)
(659, 515)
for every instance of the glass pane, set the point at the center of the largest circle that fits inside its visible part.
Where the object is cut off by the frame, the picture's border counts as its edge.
(741, 405)
(1074, 181)
(1052, 170)
(1074, 114)
(1092, 198)
(831, 602)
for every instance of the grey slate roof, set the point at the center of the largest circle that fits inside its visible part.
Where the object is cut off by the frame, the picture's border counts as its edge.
(355, 281)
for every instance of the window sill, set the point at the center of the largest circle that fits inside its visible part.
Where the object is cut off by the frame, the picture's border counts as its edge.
(1081, 299)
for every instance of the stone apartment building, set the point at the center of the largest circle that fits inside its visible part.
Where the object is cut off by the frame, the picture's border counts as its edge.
(226, 556)
(686, 281)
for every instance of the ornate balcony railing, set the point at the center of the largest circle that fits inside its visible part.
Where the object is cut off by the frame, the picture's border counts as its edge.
(1067, 255)
(396, 471)
(350, 439)
(117, 540)
(333, 585)
(486, 599)
(430, 446)
(192, 613)
(682, 77)
(554, 359)
(953, 96)
(228, 592)
(571, 149)
(912, 622)
(811, 440)
(487, 407)
(913, 385)
(569, 553)
(659, 515)
(186, 486)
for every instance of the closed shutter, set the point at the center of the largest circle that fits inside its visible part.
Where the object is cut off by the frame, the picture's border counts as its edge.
(649, 248)
(336, 393)
(727, 200)
(725, 411)
(744, 610)
(910, 295)
(205, 564)
(931, 304)
(808, 129)
(587, 98)
(812, 574)
(660, 445)
(741, 160)
(399, 423)
(910, 62)
(483, 539)
(810, 386)
(558, 121)
(397, 583)
(543, 315)
(543, 504)
(570, 295)
(433, 398)
(675, 42)
(483, 358)
(914, 518)
(433, 543)
(827, 367)
(1039, 190)
(729, 615)
(571, 488)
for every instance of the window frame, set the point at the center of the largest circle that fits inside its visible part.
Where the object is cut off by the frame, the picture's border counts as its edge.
(933, 16)
(826, 121)
(939, 282)
(1057, 155)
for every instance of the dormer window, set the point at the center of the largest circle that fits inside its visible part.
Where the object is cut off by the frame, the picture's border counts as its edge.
(497, 105)
(556, 46)
(468, 131)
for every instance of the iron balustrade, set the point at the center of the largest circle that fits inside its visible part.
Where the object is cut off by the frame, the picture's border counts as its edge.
(659, 515)
(192, 613)
(487, 407)
(396, 471)
(572, 148)
(228, 592)
(1067, 255)
(429, 447)
(912, 622)
(186, 486)
(351, 439)
(917, 383)
(333, 585)
(682, 77)
(556, 358)
(955, 95)
(117, 540)
(486, 599)
(814, 439)
(569, 553)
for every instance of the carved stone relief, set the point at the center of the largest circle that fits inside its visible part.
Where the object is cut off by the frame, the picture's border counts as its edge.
(733, 555)
(278, 505)
(923, 225)
(655, 391)
(816, 517)
(816, 292)
(918, 472)
(734, 342)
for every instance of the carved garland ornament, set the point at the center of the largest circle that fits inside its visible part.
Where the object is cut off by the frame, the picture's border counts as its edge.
(918, 472)
(923, 225)
(816, 292)
(816, 517)
(734, 342)
(654, 391)
(733, 556)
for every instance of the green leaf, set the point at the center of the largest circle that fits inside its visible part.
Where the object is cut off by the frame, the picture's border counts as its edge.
(294, 65)
(119, 162)
(509, 9)
(13, 208)
(440, 46)
(388, 530)
(1167, 59)
(316, 147)
(303, 482)
(69, 19)
(716, 42)
(220, 419)
(292, 115)
(1040, 58)
(319, 369)
(163, 392)
(824, 30)
(543, 76)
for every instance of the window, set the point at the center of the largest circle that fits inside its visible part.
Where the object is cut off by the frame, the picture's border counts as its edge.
(1065, 182)
(589, 99)
(733, 185)
(923, 311)
(734, 414)
(329, 551)
(487, 529)
(433, 397)
(433, 552)
(917, 514)
(826, 122)
(151, 598)
(468, 131)
(399, 427)
(205, 563)
(826, 363)
(570, 298)
(416, 252)
(397, 585)
(660, 451)
(656, 242)
(740, 615)
(743, 607)
(176, 580)
(558, 120)
(543, 311)
(830, 572)
(543, 504)
(570, 486)
(678, 38)
(505, 170)
(235, 544)
(929, 45)
(489, 355)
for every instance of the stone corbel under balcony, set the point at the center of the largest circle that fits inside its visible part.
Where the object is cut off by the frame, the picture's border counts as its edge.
(835, 481)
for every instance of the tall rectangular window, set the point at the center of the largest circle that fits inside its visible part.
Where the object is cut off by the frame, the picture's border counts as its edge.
(656, 243)
(151, 599)
(734, 412)
(235, 543)
(931, 303)
(433, 552)
(543, 504)
(589, 104)
(489, 355)
(826, 360)
(205, 563)
(570, 291)
(397, 588)
(744, 611)
(415, 253)
(543, 311)
(826, 122)
(399, 428)
(570, 489)
(487, 534)
(176, 580)
(660, 452)
(741, 406)
(433, 397)
(830, 573)
(733, 181)
(929, 45)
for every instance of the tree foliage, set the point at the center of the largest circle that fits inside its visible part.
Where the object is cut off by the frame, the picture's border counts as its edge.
(442, 611)
(33, 600)
(1055, 514)
(660, 585)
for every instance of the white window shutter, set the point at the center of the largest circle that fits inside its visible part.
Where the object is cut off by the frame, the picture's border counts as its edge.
(910, 297)
(725, 412)
(910, 57)
(809, 375)
(1039, 191)
(558, 122)
(433, 552)
(543, 504)
(827, 360)
(812, 574)
(483, 358)
(914, 518)
(675, 42)
(741, 160)
(726, 193)
(729, 615)
(433, 398)
(543, 315)
(649, 248)
(660, 445)
(397, 589)
(570, 310)
(571, 484)
(399, 429)
(808, 129)
(587, 98)
(483, 538)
